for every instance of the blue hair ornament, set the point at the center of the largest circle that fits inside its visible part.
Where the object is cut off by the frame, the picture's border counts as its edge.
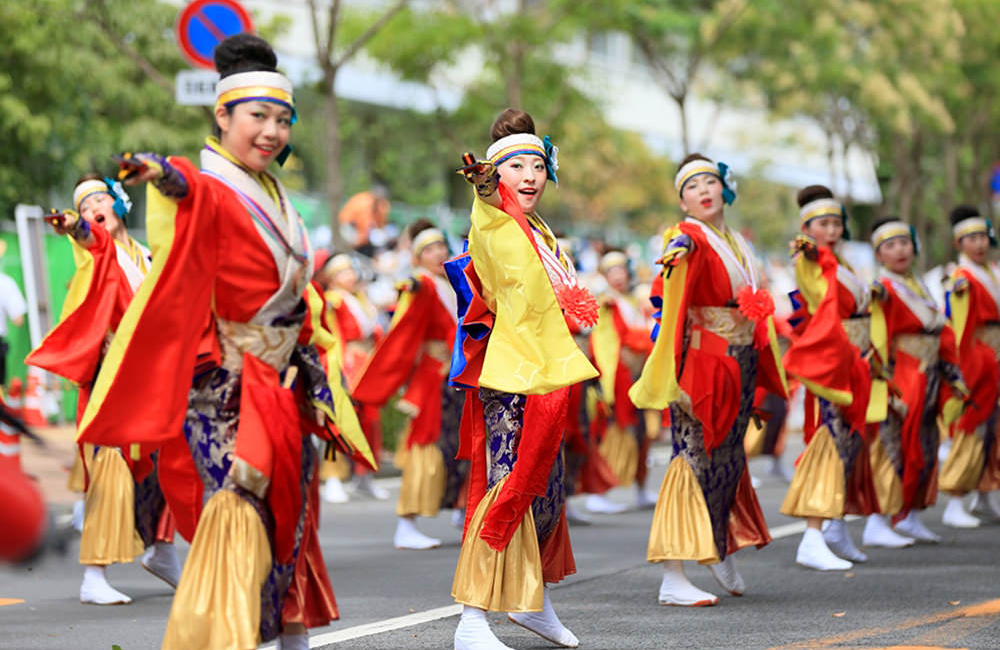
(728, 183)
(551, 159)
(123, 203)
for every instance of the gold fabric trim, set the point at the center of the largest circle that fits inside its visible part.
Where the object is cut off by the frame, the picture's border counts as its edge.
(109, 535)
(964, 465)
(339, 468)
(753, 442)
(920, 346)
(818, 488)
(504, 581)
(859, 331)
(727, 322)
(77, 481)
(249, 477)
(217, 604)
(621, 450)
(423, 482)
(888, 486)
(681, 528)
(272, 345)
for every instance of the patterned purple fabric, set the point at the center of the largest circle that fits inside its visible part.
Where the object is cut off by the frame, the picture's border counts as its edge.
(504, 414)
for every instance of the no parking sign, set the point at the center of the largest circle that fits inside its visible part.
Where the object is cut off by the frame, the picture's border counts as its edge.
(205, 23)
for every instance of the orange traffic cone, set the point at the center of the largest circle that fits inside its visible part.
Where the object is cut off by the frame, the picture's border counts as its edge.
(10, 449)
(32, 411)
(15, 396)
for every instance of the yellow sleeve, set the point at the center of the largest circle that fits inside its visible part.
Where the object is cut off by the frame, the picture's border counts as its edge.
(657, 386)
(959, 304)
(607, 349)
(810, 282)
(530, 350)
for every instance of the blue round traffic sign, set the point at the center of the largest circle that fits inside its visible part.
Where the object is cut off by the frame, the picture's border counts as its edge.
(205, 23)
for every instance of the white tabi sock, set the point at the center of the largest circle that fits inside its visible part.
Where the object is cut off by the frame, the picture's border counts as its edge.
(161, 560)
(408, 537)
(728, 577)
(813, 553)
(913, 527)
(878, 533)
(838, 540)
(474, 633)
(955, 515)
(676, 589)
(546, 624)
(95, 590)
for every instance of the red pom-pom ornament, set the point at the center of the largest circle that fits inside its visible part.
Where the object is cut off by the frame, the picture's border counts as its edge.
(579, 304)
(755, 305)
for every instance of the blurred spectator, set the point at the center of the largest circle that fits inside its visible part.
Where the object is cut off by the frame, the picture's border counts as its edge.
(12, 308)
(365, 212)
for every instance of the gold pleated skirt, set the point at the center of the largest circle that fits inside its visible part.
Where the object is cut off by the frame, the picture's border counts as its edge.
(753, 443)
(964, 466)
(217, 604)
(888, 485)
(620, 448)
(819, 487)
(109, 535)
(340, 468)
(681, 528)
(423, 483)
(77, 481)
(504, 581)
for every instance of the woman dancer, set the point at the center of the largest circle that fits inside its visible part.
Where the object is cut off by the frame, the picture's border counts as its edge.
(974, 308)
(215, 362)
(715, 343)
(827, 358)
(913, 340)
(416, 352)
(124, 509)
(519, 361)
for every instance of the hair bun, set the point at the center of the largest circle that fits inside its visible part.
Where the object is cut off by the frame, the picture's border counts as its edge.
(963, 212)
(813, 192)
(244, 53)
(512, 121)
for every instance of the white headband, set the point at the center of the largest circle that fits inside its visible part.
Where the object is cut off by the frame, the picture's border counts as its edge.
(890, 230)
(425, 238)
(257, 85)
(513, 145)
(693, 168)
(88, 188)
(821, 208)
(970, 226)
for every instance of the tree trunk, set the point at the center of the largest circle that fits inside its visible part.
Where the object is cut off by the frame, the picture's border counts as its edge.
(681, 101)
(334, 184)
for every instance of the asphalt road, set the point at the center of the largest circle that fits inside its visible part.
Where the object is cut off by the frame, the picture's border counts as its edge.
(930, 596)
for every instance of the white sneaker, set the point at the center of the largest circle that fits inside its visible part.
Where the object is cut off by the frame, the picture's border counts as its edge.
(458, 518)
(408, 537)
(474, 633)
(955, 515)
(160, 559)
(839, 541)
(574, 516)
(78, 510)
(676, 589)
(293, 641)
(95, 590)
(602, 505)
(546, 624)
(366, 485)
(728, 577)
(644, 499)
(814, 553)
(334, 492)
(911, 526)
(878, 533)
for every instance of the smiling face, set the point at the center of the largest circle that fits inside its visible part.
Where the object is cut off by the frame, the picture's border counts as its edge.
(826, 230)
(896, 254)
(701, 197)
(525, 175)
(975, 246)
(99, 208)
(254, 132)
